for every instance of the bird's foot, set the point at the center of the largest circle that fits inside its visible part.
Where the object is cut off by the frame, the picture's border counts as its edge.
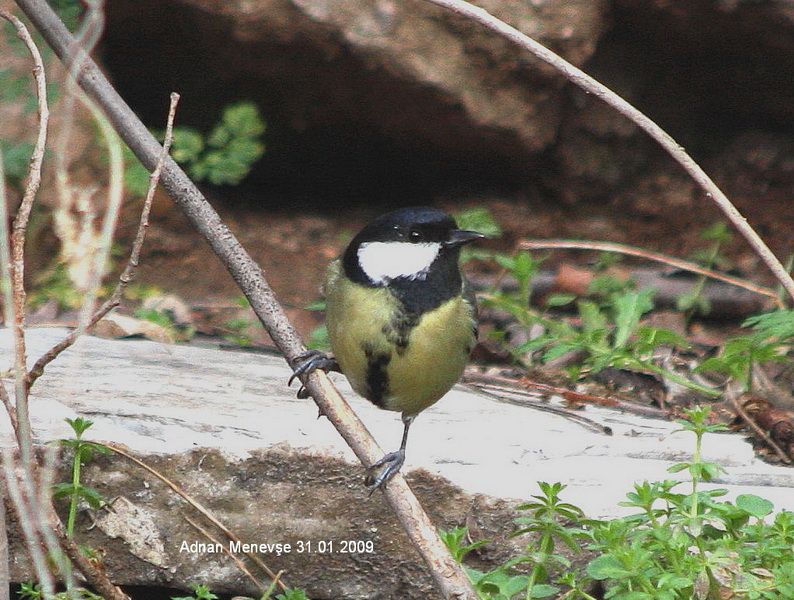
(383, 470)
(310, 361)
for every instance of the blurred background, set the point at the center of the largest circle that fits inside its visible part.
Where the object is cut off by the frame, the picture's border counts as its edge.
(302, 119)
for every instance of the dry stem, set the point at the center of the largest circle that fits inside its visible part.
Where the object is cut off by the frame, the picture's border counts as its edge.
(599, 90)
(13, 259)
(240, 564)
(25, 516)
(654, 256)
(737, 405)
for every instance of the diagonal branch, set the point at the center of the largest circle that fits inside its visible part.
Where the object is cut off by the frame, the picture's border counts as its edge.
(448, 575)
(590, 85)
(678, 263)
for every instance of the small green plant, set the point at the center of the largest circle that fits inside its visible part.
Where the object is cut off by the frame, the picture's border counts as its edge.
(55, 284)
(159, 317)
(200, 592)
(16, 158)
(318, 337)
(694, 302)
(677, 546)
(772, 337)
(610, 334)
(30, 591)
(222, 157)
(238, 332)
(74, 490)
(138, 291)
(523, 267)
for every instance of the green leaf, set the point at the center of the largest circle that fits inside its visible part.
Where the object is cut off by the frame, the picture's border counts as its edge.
(718, 232)
(243, 119)
(592, 317)
(316, 305)
(293, 594)
(318, 339)
(136, 178)
(187, 145)
(754, 505)
(606, 566)
(677, 467)
(479, 219)
(554, 300)
(94, 499)
(541, 590)
(778, 324)
(79, 425)
(16, 158)
(629, 308)
(62, 490)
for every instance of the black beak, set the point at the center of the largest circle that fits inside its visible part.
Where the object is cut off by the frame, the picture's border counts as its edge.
(459, 237)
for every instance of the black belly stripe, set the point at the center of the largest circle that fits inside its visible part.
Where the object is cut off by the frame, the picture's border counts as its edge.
(377, 376)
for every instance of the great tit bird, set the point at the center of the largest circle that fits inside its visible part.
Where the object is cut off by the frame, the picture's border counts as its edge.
(400, 317)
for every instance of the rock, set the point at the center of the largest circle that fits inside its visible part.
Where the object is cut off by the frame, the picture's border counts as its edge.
(172, 305)
(115, 326)
(410, 71)
(224, 427)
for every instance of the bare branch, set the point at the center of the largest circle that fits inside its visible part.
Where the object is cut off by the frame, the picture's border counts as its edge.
(129, 271)
(11, 410)
(13, 258)
(94, 575)
(21, 505)
(5, 579)
(678, 263)
(34, 172)
(590, 85)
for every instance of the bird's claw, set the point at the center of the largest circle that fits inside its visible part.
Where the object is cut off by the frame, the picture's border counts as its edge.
(383, 470)
(310, 361)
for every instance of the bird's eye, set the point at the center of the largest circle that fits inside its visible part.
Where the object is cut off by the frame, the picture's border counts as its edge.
(415, 236)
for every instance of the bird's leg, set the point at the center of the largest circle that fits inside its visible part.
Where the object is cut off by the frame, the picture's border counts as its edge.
(309, 361)
(389, 464)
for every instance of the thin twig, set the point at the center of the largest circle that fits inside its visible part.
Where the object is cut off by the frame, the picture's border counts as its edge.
(44, 511)
(94, 575)
(195, 504)
(240, 564)
(27, 499)
(506, 394)
(34, 174)
(653, 256)
(523, 383)
(11, 410)
(128, 273)
(5, 576)
(13, 255)
(734, 398)
(599, 90)
(19, 501)
(448, 575)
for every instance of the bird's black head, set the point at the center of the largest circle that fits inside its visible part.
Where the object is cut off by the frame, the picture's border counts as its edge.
(413, 251)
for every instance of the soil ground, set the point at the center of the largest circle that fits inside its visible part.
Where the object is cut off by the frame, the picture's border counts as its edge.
(294, 244)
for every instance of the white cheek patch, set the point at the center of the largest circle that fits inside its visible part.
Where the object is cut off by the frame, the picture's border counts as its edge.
(384, 261)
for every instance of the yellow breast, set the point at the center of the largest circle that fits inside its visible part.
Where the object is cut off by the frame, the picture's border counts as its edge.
(360, 323)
